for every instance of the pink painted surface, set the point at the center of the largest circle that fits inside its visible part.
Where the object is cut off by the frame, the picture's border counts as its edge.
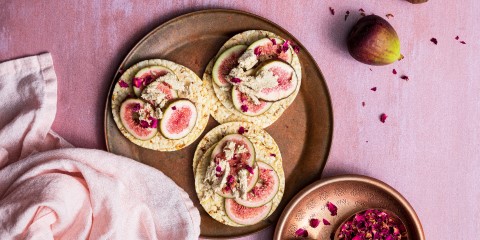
(428, 148)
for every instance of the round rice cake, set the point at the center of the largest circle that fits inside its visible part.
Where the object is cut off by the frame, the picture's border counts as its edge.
(266, 150)
(222, 106)
(197, 93)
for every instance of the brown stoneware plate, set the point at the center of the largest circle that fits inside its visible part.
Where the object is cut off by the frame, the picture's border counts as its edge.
(351, 194)
(303, 132)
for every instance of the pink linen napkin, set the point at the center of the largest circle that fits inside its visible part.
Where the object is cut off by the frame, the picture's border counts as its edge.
(50, 190)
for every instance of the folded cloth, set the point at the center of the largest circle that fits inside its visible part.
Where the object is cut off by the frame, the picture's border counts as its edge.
(50, 190)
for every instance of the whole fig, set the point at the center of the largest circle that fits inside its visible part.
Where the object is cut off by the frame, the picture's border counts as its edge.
(374, 41)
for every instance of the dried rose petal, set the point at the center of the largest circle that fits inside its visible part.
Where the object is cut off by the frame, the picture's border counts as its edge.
(274, 42)
(153, 122)
(363, 104)
(218, 169)
(236, 80)
(257, 51)
(456, 38)
(296, 48)
(144, 124)
(463, 42)
(301, 232)
(332, 11)
(174, 108)
(249, 169)
(285, 45)
(230, 179)
(244, 108)
(314, 222)
(394, 71)
(373, 89)
(404, 77)
(137, 82)
(326, 222)
(361, 10)
(136, 107)
(389, 15)
(241, 130)
(371, 70)
(227, 188)
(383, 117)
(273, 154)
(434, 40)
(332, 208)
(346, 15)
(123, 84)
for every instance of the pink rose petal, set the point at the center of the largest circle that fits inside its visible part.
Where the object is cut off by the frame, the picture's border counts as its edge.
(332, 11)
(137, 82)
(244, 108)
(383, 117)
(236, 80)
(174, 108)
(434, 40)
(218, 169)
(314, 222)
(136, 107)
(296, 48)
(326, 222)
(394, 71)
(123, 84)
(241, 130)
(301, 232)
(456, 38)
(332, 208)
(144, 124)
(404, 77)
(273, 154)
(285, 45)
(153, 123)
(463, 42)
(249, 169)
(373, 89)
(257, 51)
(274, 42)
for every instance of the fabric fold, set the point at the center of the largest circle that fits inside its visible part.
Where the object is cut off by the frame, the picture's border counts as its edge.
(50, 190)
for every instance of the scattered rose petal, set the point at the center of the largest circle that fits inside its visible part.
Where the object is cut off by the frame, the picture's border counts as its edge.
(301, 232)
(314, 222)
(434, 40)
(174, 108)
(137, 82)
(332, 208)
(244, 108)
(346, 15)
(144, 124)
(326, 222)
(236, 80)
(404, 77)
(456, 38)
(363, 104)
(285, 45)
(218, 169)
(274, 42)
(370, 69)
(136, 107)
(273, 154)
(389, 15)
(361, 10)
(249, 169)
(257, 51)
(373, 89)
(241, 130)
(123, 84)
(296, 48)
(394, 71)
(332, 11)
(383, 117)
(153, 122)
(227, 188)
(230, 179)
(463, 42)
(148, 79)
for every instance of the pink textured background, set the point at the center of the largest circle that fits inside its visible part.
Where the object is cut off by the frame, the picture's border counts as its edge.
(428, 149)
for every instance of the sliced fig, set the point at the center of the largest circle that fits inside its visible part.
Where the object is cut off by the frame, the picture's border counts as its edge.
(245, 104)
(246, 215)
(178, 119)
(146, 76)
(287, 81)
(265, 190)
(225, 63)
(252, 180)
(129, 117)
(240, 160)
(271, 48)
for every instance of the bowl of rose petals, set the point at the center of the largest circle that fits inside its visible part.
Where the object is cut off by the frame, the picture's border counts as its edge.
(372, 224)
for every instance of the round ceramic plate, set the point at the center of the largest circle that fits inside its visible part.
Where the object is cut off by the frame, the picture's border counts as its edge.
(351, 194)
(303, 132)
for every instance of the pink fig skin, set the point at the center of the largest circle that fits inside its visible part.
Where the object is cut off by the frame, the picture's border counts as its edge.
(374, 41)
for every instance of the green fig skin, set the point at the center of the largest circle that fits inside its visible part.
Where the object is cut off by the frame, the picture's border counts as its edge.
(374, 41)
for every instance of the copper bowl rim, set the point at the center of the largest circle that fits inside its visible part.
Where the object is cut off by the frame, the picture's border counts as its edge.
(348, 177)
